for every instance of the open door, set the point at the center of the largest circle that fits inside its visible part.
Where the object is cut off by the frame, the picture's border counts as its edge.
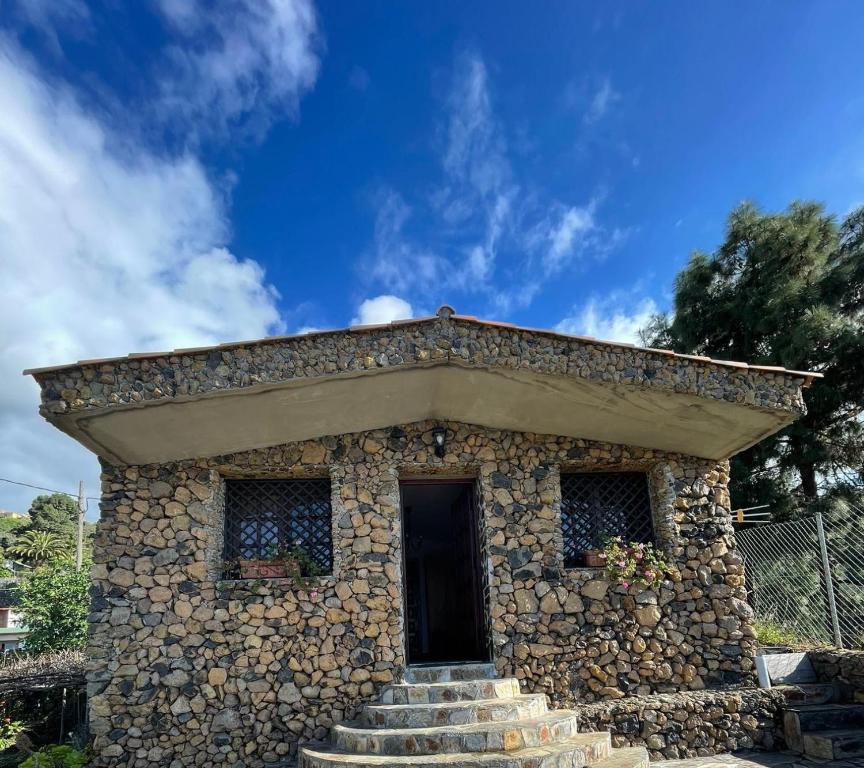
(444, 611)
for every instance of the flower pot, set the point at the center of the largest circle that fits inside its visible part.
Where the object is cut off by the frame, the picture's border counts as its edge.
(594, 559)
(268, 569)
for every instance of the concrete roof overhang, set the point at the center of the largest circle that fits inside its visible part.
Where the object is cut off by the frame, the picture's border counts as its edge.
(161, 407)
(270, 414)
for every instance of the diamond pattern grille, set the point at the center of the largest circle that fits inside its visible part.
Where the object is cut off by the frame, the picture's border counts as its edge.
(597, 503)
(261, 514)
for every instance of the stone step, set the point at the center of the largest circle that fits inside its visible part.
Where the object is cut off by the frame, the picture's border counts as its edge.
(835, 744)
(454, 713)
(625, 757)
(798, 721)
(449, 673)
(549, 728)
(580, 750)
(465, 690)
(807, 693)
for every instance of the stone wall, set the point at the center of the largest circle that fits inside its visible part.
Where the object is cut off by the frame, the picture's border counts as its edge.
(833, 665)
(690, 724)
(159, 376)
(190, 670)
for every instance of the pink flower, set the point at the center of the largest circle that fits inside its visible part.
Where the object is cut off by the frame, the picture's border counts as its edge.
(621, 563)
(625, 584)
(314, 594)
(639, 555)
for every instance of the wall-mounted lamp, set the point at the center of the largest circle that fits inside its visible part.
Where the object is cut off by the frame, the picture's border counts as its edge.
(439, 435)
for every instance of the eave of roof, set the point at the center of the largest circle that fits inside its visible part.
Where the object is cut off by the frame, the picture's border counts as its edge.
(444, 311)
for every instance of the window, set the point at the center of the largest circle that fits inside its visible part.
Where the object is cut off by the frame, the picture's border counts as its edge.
(598, 503)
(263, 514)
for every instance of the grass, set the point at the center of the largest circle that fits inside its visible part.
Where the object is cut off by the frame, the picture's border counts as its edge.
(769, 632)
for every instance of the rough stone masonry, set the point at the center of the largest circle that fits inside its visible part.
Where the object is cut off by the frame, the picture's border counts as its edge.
(188, 669)
(184, 373)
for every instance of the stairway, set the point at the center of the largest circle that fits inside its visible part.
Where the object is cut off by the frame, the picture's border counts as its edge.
(825, 731)
(462, 715)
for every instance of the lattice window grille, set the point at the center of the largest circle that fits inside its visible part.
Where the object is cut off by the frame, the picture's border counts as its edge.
(594, 503)
(263, 514)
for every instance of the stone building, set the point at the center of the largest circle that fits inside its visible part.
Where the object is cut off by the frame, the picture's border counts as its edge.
(446, 476)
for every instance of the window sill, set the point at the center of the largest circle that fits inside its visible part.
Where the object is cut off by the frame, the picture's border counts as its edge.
(280, 584)
(584, 572)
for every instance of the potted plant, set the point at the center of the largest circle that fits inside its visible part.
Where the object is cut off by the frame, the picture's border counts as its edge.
(271, 566)
(634, 562)
(595, 557)
(279, 562)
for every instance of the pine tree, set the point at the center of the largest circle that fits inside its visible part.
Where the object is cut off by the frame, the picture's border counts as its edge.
(785, 289)
(57, 514)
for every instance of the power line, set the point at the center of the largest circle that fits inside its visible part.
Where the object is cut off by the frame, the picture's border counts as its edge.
(50, 490)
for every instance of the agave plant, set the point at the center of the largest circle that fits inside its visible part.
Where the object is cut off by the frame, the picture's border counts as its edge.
(39, 546)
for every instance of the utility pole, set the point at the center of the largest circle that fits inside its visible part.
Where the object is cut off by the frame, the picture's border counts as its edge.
(82, 508)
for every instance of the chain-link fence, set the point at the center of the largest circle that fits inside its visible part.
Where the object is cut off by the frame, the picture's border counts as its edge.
(806, 577)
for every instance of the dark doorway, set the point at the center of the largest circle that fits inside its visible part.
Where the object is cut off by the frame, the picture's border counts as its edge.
(444, 614)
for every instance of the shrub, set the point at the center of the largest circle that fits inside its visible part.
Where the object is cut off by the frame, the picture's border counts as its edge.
(54, 606)
(9, 729)
(770, 632)
(55, 756)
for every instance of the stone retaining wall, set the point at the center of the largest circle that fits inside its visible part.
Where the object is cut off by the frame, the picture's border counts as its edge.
(690, 724)
(188, 670)
(835, 665)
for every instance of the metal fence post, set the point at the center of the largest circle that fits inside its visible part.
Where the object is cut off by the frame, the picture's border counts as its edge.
(829, 581)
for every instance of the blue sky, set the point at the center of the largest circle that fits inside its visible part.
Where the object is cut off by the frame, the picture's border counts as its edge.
(177, 173)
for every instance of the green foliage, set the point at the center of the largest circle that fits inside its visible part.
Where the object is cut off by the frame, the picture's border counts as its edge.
(55, 756)
(771, 632)
(632, 562)
(39, 546)
(9, 729)
(54, 606)
(51, 530)
(56, 513)
(296, 553)
(784, 576)
(788, 593)
(46, 711)
(9, 528)
(785, 289)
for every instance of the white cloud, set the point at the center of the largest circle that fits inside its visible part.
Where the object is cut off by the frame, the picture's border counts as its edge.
(479, 213)
(262, 58)
(100, 255)
(603, 100)
(397, 263)
(51, 18)
(478, 190)
(616, 317)
(470, 206)
(567, 233)
(382, 309)
(475, 154)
